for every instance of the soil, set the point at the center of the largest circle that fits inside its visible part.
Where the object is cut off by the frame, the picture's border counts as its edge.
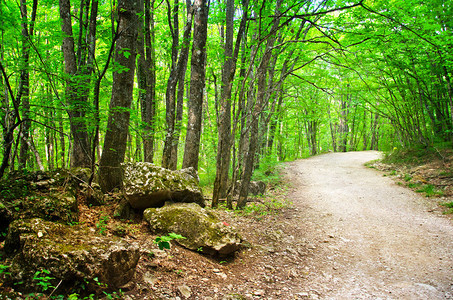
(333, 229)
(350, 233)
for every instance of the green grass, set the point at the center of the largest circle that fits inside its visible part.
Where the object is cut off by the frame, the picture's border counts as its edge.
(448, 205)
(430, 191)
(413, 185)
(407, 177)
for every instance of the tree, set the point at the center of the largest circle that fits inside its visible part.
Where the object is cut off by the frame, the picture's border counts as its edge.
(115, 142)
(257, 108)
(197, 85)
(76, 92)
(146, 76)
(224, 127)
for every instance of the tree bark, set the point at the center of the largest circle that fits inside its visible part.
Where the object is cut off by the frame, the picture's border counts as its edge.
(115, 141)
(197, 85)
(24, 90)
(80, 156)
(260, 98)
(181, 74)
(224, 131)
(170, 94)
(149, 106)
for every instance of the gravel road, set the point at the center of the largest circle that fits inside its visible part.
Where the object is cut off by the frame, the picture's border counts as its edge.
(372, 238)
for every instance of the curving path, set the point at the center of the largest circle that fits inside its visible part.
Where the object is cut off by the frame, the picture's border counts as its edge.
(373, 239)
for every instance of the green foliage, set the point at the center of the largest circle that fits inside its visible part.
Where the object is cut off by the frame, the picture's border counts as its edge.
(448, 205)
(269, 170)
(430, 191)
(101, 225)
(11, 189)
(43, 279)
(4, 270)
(163, 242)
(266, 207)
(115, 295)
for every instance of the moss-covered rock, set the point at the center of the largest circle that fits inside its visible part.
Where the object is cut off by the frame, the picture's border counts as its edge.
(147, 185)
(72, 254)
(48, 195)
(202, 229)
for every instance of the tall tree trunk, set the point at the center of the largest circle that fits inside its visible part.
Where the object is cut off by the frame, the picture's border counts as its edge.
(149, 106)
(344, 128)
(24, 90)
(115, 141)
(197, 85)
(170, 94)
(257, 110)
(275, 122)
(224, 131)
(181, 74)
(80, 156)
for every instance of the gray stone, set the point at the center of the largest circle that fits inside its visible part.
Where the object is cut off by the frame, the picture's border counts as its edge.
(185, 291)
(255, 188)
(93, 194)
(202, 229)
(123, 210)
(72, 254)
(147, 185)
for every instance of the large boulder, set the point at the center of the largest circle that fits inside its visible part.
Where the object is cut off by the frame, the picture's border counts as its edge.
(72, 254)
(147, 185)
(202, 229)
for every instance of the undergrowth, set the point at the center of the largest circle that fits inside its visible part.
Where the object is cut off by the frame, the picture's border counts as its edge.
(425, 170)
(417, 155)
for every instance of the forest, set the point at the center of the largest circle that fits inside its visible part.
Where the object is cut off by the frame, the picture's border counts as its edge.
(227, 87)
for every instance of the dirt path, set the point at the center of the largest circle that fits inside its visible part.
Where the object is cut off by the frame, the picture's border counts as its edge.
(371, 239)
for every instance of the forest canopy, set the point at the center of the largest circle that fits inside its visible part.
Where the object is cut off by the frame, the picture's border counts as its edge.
(222, 86)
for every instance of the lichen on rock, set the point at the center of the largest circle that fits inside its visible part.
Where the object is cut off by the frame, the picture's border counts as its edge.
(147, 185)
(202, 229)
(70, 253)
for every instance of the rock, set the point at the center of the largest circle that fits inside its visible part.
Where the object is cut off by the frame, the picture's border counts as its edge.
(255, 188)
(93, 194)
(146, 185)
(203, 231)
(185, 291)
(123, 210)
(149, 278)
(48, 195)
(72, 254)
(51, 206)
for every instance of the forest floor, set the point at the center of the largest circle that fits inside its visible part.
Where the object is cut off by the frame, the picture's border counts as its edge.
(336, 230)
(331, 229)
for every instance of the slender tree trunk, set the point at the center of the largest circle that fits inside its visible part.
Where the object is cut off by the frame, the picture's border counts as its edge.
(149, 106)
(275, 122)
(170, 95)
(344, 128)
(254, 125)
(224, 124)
(181, 75)
(197, 85)
(80, 156)
(115, 141)
(374, 132)
(24, 90)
